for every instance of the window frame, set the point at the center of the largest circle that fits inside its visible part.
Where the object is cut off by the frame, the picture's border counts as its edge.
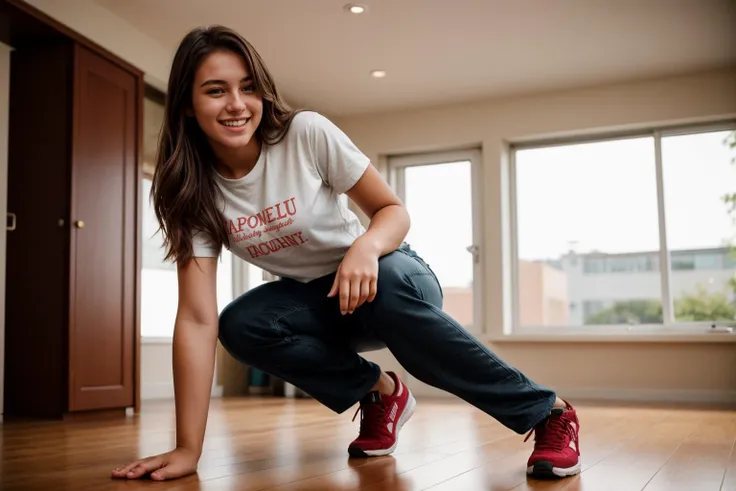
(669, 325)
(397, 164)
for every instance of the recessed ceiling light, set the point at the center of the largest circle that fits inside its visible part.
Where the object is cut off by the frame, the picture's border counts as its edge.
(378, 73)
(355, 9)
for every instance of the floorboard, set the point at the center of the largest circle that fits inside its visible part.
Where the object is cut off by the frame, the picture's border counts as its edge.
(298, 445)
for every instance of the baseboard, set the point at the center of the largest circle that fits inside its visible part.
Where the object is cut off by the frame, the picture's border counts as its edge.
(165, 390)
(674, 396)
(217, 391)
(679, 396)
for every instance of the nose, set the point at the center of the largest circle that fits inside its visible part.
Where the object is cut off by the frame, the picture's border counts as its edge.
(235, 104)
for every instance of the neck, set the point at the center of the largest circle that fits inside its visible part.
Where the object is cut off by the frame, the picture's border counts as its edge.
(234, 163)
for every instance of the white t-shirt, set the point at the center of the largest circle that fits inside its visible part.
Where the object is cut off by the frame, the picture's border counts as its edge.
(288, 216)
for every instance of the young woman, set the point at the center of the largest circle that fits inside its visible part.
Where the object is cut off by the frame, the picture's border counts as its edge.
(238, 168)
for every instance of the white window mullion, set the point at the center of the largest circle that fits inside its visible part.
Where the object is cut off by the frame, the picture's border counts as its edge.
(241, 283)
(668, 316)
(514, 243)
(400, 184)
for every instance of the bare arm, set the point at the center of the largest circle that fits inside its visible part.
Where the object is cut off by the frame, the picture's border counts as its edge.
(356, 280)
(389, 220)
(195, 340)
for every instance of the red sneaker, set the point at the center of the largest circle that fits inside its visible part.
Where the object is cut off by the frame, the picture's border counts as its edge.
(556, 445)
(381, 419)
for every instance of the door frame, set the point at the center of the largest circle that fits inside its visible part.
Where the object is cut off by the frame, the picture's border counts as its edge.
(4, 128)
(396, 165)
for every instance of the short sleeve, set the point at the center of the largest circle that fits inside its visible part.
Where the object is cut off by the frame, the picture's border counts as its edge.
(202, 246)
(339, 161)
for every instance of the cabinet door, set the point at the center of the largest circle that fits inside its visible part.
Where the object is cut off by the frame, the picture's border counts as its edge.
(103, 235)
(36, 300)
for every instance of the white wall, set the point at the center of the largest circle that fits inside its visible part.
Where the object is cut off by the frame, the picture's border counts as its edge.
(112, 33)
(624, 369)
(157, 374)
(4, 114)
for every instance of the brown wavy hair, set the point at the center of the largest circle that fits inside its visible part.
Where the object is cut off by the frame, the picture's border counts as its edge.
(184, 192)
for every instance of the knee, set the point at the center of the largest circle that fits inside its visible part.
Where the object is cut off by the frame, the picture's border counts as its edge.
(395, 270)
(244, 331)
(400, 273)
(232, 332)
(229, 326)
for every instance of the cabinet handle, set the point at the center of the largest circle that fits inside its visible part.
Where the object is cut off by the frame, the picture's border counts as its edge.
(13, 220)
(79, 224)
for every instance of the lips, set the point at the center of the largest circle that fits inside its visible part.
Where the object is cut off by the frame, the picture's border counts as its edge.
(235, 123)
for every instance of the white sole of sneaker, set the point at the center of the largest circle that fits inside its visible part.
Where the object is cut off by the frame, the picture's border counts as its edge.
(408, 413)
(546, 470)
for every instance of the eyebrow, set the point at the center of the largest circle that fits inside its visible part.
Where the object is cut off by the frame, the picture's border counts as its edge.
(222, 82)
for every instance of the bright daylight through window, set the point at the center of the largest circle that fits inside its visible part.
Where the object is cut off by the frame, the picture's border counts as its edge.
(445, 252)
(588, 222)
(159, 288)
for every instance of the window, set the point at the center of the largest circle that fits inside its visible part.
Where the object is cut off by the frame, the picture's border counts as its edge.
(440, 193)
(159, 288)
(698, 171)
(634, 229)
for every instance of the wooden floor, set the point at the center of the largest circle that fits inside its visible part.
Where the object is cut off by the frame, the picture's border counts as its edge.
(284, 444)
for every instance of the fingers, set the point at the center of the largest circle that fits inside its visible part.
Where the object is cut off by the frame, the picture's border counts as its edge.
(139, 468)
(170, 471)
(344, 295)
(123, 471)
(354, 286)
(144, 468)
(372, 290)
(355, 296)
(365, 291)
(335, 284)
(355, 290)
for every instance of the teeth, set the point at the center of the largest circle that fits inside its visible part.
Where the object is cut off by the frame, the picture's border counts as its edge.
(239, 122)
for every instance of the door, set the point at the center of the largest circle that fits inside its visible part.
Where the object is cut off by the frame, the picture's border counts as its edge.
(36, 296)
(103, 235)
(440, 191)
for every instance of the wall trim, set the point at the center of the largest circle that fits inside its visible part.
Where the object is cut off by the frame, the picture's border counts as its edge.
(165, 390)
(678, 396)
(598, 394)
(707, 335)
(698, 396)
(152, 93)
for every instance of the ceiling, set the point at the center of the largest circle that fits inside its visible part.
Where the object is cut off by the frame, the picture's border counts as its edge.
(437, 52)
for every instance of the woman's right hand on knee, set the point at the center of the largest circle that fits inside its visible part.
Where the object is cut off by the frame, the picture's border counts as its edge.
(171, 465)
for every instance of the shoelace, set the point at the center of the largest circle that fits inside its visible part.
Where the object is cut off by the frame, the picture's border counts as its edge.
(372, 416)
(552, 435)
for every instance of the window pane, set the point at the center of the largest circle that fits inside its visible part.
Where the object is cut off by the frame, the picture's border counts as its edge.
(159, 288)
(442, 229)
(588, 237)
(255, 276)
(698, 171)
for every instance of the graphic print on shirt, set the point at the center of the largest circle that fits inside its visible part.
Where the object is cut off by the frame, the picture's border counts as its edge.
(266, 222)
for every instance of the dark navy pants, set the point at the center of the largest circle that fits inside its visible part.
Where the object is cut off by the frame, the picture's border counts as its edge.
(293, 331)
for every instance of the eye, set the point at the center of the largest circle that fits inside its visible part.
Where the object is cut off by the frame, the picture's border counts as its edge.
(249, 88)
(214, 91)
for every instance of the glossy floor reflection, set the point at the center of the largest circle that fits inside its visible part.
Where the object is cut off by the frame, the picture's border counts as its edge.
(297, 445)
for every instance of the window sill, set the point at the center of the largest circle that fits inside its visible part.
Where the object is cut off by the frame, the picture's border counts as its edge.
(628, 337)
(156, 340)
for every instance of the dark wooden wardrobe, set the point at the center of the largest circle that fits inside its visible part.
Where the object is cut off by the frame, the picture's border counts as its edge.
(71, 322)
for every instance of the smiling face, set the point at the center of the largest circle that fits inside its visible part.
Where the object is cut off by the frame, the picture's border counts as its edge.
(225, 103)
